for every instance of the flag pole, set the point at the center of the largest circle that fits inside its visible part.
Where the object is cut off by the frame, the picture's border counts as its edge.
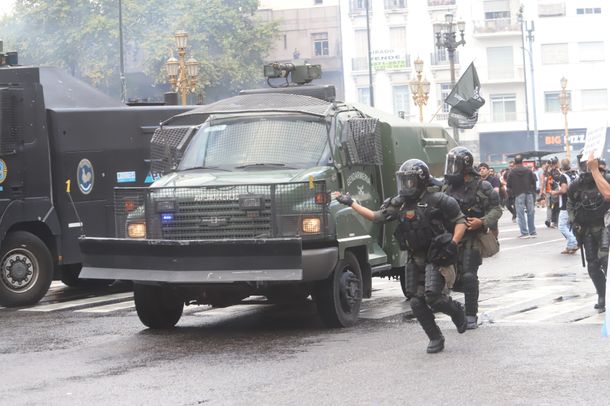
(437, 110)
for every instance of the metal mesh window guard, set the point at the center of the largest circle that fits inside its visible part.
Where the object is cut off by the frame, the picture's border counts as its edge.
(223, 212)
(364, 142)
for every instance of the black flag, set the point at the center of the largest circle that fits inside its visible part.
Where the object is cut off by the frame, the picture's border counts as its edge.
(465, 100)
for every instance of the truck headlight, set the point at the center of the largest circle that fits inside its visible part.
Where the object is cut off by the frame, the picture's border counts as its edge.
(311, 225)
(136, 230)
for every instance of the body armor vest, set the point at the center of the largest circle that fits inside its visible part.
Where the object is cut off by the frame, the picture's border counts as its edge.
(469, 199)
(419, 223)
(590, 206)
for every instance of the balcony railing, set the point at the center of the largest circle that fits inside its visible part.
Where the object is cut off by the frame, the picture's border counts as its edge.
(496, 25)
(437, 3)
(441, 57)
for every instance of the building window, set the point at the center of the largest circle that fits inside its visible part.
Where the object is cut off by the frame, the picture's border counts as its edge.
(496, 9)
(593, 10)
(445, 89)
(398, 38)
(594, 99)
(503, 107)
(551, 8)
(364, 95)
(401, 99)
(320, 44)
(551, 102)
(590, 51)
(359, 6)
(395, 4)
(552, 54)
(500, 63)
(317, 2)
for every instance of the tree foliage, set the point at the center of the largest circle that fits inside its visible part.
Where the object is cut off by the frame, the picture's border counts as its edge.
(82, 36)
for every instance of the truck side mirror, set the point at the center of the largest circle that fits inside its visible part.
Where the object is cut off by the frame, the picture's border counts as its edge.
(167, 146)
(11, 119)
(362, 141)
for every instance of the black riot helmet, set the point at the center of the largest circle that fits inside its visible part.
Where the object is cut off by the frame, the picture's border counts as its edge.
(412, 178)
(585, 173)
(458, 163)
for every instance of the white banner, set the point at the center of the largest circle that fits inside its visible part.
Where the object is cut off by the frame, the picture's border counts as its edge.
(594, 142)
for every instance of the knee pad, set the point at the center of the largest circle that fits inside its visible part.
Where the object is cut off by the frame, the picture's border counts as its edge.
(469, 281)
(411, 278)
(417, 303)
(434, 281)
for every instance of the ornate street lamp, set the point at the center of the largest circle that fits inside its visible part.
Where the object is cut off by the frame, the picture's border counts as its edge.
(446, 39)
(565, 106)
(420, 88)
(181, 73)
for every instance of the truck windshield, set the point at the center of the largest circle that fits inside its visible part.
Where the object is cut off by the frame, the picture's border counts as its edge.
(257, 142)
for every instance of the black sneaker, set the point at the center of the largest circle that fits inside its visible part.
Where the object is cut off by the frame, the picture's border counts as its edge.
(547, 223)
(436, 345)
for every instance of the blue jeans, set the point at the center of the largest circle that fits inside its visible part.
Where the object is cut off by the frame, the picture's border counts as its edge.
(525, 202)
(564, 227)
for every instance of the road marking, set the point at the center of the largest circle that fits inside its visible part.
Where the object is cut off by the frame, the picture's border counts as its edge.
(531, 244)
(77, 303)
(597, 318)
(550, 311)
(108, 308)
(235, 310)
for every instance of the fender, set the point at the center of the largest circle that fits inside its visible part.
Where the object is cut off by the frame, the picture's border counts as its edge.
(30, 210)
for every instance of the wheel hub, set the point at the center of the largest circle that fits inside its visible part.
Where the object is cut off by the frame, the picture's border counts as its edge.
(17, 271)
(350, 289)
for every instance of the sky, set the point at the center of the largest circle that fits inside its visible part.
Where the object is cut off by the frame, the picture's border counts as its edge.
(6, 6)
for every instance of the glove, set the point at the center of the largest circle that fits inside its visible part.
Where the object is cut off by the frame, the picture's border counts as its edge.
(449, 254)
(345, 199)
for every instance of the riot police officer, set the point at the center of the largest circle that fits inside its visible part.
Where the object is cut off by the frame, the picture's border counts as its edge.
(586, 209)
(480, 204)
(430, 227)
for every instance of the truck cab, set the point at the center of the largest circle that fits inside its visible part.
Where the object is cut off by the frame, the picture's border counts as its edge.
(245, 207)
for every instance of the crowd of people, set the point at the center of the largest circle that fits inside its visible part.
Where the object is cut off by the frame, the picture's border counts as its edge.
(449, 227)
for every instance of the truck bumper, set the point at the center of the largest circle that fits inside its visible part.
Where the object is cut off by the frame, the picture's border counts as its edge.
(204, 262)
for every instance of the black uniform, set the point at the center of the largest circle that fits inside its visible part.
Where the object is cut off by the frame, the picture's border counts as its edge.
(586, 209)
(476, 198)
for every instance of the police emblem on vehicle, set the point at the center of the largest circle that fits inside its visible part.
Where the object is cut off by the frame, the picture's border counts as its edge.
(85, 176)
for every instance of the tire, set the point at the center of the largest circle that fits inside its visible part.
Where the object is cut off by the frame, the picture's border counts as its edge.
(26, 269)
(157, 307)
(338, 298)
(403, 280)
(69, 276)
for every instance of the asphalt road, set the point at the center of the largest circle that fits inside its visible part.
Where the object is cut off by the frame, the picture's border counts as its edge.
(539, 343)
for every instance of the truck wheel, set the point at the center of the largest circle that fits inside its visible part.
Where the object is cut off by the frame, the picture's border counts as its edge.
(26, 269)
(69, 276)
(157, 307)
(403, 280)
(338, 297)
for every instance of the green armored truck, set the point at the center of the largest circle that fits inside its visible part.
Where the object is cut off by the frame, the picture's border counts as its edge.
(244, 206)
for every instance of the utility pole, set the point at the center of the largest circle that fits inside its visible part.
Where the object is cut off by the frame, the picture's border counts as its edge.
(368, 41)
(530, 39)
(527, 110)
(122, 63)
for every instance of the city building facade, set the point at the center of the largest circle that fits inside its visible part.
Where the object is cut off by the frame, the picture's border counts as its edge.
(309, 31)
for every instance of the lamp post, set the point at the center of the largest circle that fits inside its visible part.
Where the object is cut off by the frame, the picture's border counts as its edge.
(446, 39)
(420, 89)
(565, 106)
(182, 73)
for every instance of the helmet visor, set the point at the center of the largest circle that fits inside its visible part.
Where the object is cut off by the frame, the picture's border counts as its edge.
(407, 183)
(454, 165)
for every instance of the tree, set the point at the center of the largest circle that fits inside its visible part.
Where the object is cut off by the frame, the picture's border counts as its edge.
(82, 36)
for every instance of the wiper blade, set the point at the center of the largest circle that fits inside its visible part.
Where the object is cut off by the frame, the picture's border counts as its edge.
(260, 164)
(206, 167)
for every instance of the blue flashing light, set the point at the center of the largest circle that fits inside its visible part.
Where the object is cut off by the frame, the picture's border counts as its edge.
(167, 217)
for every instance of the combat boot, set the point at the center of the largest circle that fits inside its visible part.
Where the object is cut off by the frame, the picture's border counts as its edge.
(601, 304)
(471, 322)
(458, 317)
(436, 344)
